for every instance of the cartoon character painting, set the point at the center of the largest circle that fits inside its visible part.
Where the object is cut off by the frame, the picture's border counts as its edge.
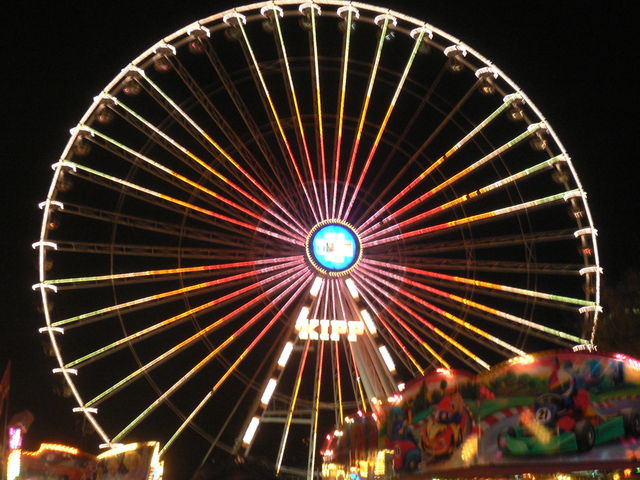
(401, 440)
(446, 427)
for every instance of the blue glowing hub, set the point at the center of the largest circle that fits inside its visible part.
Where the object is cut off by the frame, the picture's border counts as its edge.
(333, 247)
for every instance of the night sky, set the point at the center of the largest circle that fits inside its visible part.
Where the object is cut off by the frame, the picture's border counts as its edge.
(576, 63)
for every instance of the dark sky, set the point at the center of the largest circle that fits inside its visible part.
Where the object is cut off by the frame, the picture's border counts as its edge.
(578, 64)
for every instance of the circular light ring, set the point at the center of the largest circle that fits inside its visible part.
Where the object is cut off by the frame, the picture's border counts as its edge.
(331, 263)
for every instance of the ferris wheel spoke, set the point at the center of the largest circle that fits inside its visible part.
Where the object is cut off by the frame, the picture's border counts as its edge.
(337, 385)
(514, 291)
(474, 195)
(456, 108)
(420, 332)
(318, 105)
(232, 413)
(299, 282)
(498, 241)
(492, 215)
(107, 181)
(508, 100)
(521, 267)
(363, 111)
(213, 143)
(292, 275)
(426, 323)
(196, 185)
(247, 118)
(145, 224)
(370, 299)
(153, 133)
(394, 150)
(176, 201)
(160, 250)
(218, 118)
(494, 313)
(401, 350)
(157, 327)
(145, 302)
(177, 149)
(355, 373)
(344, 69)
(324, 298)
(313, 435)
(282, 52)
(480, 335)
(383, 125)
(451, 180)
(367, 286)
(276, 118)
(446, 349)
(433, 135)
(346, 307)
(292, 406)
(350, 358)
(372, 352)
(145, 163)
(157, 134)
(152, 275)
(258, 412)
(163, 251)
(394, 337)
(241, 357)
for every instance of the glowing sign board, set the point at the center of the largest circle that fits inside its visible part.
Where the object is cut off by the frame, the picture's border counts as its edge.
(334, 247)
(314, 329)
(15, 438)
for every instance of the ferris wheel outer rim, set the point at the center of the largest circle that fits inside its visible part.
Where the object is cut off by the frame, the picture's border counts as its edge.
(90, 415)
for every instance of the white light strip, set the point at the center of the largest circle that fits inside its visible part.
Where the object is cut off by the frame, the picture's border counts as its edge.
(315, 288)
(368, 321)
(48, 286)
(13, 464)
(356, 328)
(304, 315)
(93, 410)
(43, 243)
(51, 329)
(52, 203)
(117, 449)
(251, 431)
(268, 391)
(104, 446)
(286, 352)
(351, 286)
(71, 371)
(387, 358)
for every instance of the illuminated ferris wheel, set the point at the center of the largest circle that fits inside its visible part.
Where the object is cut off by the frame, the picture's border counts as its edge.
(277, 215)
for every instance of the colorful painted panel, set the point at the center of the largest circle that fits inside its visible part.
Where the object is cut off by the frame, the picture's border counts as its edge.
(135, 461)
(558, 409)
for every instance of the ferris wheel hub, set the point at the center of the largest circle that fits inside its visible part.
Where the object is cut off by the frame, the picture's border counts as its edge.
(333, 247)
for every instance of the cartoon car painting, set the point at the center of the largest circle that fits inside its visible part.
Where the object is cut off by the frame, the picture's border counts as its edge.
(406, 455)
(559, 425)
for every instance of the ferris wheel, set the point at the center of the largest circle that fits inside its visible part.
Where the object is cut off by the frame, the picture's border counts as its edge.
(277, 215)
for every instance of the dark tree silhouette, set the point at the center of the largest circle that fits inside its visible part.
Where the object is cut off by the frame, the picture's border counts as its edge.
(619, 327)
